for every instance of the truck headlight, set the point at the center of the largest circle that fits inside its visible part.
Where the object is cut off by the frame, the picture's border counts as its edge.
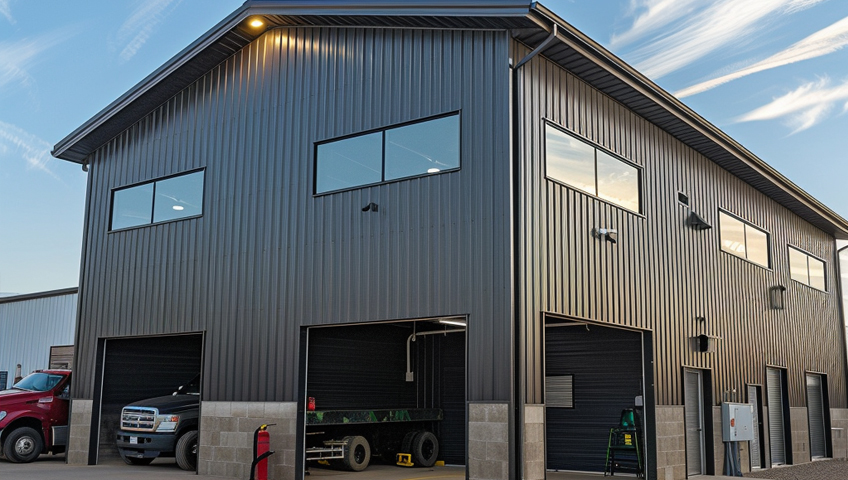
(167, 423)
(2, 415)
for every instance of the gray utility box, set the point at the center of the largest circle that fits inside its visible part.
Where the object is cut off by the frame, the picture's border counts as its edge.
(737, 422)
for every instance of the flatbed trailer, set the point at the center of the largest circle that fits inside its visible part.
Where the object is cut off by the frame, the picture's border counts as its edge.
(348, 438)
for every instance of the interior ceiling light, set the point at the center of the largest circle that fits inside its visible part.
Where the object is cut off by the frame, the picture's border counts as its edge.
(256, 23)
(433, 170)
(455, 321)
(178, 208)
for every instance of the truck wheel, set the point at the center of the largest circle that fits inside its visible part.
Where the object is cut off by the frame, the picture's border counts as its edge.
(23, 445)
(357, 453)
(425, 449)
(187, 451)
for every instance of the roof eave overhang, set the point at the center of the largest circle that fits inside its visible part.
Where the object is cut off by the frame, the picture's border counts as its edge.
(618, 79)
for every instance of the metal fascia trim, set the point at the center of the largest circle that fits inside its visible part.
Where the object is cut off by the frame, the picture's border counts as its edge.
(599, 55)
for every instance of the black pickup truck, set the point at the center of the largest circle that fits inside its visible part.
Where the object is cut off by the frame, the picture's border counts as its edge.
(162, 427)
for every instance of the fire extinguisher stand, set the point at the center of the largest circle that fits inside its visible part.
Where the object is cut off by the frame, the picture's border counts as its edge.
(261, 452)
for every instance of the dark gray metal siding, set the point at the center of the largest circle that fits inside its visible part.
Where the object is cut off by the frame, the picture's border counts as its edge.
(266, 256)
(662, 275)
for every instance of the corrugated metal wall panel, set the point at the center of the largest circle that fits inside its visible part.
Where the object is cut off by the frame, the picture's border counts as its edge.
(28, 328)
(267, 257)
(663, 275)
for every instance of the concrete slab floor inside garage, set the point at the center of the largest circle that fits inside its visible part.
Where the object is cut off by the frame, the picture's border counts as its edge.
(389, 472)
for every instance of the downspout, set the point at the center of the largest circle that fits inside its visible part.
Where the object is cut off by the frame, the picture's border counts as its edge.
(517, 234)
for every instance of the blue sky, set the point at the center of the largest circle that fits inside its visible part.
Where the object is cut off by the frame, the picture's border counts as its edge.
(773, 74)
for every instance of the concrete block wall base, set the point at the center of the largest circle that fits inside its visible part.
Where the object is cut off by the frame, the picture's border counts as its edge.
(534, 442)
(488, 441)
(225, 447)
(671, 443)
(79, 431)
(839, 432)
(800, 435)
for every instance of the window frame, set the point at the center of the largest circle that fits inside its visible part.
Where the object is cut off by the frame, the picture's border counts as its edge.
(382, 130)
(153, 200)
(640, 170)
(746, 225)
(808, 256)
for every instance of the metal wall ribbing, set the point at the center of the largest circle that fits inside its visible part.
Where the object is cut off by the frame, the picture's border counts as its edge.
(267, 257)
(662, 275)
(28, 328)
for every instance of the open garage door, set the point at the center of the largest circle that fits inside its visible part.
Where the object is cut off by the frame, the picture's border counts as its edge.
(592, 374)
(383, 389)
(138, 368)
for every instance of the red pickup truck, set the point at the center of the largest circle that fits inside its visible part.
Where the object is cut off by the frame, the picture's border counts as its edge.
(34, 416)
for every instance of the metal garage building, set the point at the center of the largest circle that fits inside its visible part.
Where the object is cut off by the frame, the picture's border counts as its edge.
(36, 332)
(312, 184)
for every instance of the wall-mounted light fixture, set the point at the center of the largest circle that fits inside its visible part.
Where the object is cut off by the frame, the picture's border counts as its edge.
(697, 223)
(608, 234)
(372, 207)
(776, 294)
(703, 343)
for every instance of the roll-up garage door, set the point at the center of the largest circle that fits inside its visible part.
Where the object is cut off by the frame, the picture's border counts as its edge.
(777, 433)
(694, 418)
(815, 412)
(603, 368)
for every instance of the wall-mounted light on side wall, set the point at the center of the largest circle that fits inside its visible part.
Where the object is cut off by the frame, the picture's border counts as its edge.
(608, 234)
(776, 294)
(371, 207)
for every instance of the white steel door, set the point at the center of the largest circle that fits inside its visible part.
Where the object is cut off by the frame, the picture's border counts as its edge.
(815, 413)
(777, 432)
(754, 399)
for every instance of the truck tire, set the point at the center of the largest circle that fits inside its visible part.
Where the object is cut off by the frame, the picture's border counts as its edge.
(357, 453)
(23, 445)
(425, 449)
(406, 445)
(186, 451)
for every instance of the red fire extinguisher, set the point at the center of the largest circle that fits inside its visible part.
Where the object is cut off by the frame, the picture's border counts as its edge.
(261, 452)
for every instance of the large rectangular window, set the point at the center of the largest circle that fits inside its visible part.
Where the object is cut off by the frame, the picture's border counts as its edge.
(806, 269)
(743, 240)
(420, 148)
(583, 166)
(170, 198)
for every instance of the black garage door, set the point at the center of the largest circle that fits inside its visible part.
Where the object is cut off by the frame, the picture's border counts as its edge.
(605, 370)
(139, 368)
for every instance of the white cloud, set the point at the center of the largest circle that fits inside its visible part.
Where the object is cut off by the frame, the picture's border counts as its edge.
(136, 30)
(804, 107)
(6, 10)
(697, 28)
(823, 42)
(19, 56)
(33, 150)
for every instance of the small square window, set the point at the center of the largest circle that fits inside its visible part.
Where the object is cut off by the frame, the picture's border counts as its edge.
(559, 391)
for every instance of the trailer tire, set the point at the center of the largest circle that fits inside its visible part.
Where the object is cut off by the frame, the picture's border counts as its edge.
(425, 449)
(186, 451)
(357, 453)
(406, 445)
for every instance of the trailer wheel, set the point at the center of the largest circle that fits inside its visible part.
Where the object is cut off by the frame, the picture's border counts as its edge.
(357, 453)
(406, 445)
(186, 451)
(425, 449)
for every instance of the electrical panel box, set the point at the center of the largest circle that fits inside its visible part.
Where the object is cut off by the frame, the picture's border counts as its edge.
(737, 422)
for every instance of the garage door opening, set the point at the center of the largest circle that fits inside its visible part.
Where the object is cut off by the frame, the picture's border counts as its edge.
(594, 381)
(140, 368)
(376, 390)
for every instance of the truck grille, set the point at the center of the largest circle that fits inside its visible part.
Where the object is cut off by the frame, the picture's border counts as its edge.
(138, 419)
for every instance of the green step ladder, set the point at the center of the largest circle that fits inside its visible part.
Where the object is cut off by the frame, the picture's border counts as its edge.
(623, 449)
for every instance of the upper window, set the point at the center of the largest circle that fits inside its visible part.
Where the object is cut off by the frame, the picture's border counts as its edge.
(806, 269)
(157, 201)
(743, 240)
(585, 167)
(420, 148)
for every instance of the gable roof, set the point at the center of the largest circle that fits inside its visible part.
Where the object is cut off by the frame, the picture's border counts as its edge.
(530, 23)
